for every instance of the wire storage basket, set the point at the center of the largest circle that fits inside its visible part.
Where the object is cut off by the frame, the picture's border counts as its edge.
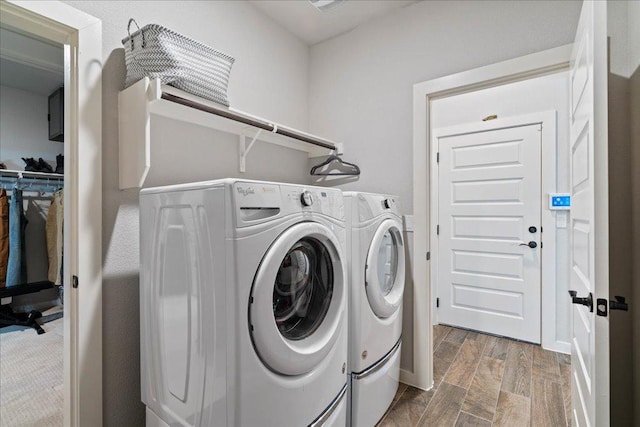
(157, 52)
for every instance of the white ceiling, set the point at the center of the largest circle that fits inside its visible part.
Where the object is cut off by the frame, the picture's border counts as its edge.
(29, 63)
(32, 79)
(313, 26)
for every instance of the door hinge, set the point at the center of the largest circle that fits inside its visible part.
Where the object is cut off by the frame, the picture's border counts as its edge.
(619, 304)
(438, 157)
(438, 229)
(428, 256)
(74, 282)
(437, 302)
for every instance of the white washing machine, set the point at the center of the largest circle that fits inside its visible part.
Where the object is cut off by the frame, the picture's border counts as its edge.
(377, 272)
(243, 296)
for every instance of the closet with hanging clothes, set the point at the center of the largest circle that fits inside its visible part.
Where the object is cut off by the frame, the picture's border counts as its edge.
(31, 176)
(31, 246)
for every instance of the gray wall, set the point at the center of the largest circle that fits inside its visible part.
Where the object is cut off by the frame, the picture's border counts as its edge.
(24, 130)
(633, 46)
(620, 325)
(634, 113)
(623, 21)
(269, 79)
(361, 82)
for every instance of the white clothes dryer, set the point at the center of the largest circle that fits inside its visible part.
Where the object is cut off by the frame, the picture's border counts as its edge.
(377, 272)
(243, 297)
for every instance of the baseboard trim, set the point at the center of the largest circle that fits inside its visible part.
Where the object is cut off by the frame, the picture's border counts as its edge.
(409, 378)
(559, 347)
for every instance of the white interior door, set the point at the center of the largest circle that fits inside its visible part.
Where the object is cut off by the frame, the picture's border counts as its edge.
(489, 195)
(589, 217)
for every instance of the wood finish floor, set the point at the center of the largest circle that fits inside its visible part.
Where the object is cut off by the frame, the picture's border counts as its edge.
(482, 380)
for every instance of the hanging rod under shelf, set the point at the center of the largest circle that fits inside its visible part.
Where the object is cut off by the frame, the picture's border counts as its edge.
(31, 175)
(31, 181)
(251, 121)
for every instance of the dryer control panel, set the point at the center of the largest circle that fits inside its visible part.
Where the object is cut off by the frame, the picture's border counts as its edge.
(371, 205)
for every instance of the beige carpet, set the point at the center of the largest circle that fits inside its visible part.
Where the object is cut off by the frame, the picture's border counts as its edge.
(31, 376)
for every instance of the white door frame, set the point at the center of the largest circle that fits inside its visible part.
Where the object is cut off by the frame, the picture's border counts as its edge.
(518, 69)
(82, 36)
(548, 180)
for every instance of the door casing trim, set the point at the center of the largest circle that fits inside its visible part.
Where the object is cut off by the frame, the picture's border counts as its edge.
(81, 35)
(513, 70)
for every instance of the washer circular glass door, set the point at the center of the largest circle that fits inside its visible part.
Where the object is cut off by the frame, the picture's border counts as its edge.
(385, 270)
(296, 309)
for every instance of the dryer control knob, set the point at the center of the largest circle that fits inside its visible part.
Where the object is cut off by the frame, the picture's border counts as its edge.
(306, 198)
(387, 203)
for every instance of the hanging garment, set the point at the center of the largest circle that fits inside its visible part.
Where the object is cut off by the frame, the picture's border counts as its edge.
(55, 219)
(17, 265)
(4, 237)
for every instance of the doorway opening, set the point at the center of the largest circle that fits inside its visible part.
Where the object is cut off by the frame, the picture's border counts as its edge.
(72, 268)
(31, 228)
(516, 70)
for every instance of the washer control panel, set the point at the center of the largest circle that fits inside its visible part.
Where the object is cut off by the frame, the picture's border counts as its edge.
(312, 199)
(306, 198)
(257, 201)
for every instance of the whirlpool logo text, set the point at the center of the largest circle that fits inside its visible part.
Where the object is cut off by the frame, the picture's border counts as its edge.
(245, 191)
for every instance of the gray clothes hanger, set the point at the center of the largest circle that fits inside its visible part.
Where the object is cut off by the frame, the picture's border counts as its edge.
(352, 169)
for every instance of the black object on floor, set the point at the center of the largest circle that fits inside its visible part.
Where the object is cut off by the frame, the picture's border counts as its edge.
(9, 318)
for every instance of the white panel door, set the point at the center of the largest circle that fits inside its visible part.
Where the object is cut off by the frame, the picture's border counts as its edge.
(589, 217)
(489, 221)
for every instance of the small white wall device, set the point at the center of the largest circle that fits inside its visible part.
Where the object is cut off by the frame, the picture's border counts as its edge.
(559, 201)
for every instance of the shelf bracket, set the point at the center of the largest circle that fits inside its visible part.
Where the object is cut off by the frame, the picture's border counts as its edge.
(243, 149)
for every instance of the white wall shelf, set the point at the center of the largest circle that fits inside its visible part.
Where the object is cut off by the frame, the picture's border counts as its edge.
(149, 97)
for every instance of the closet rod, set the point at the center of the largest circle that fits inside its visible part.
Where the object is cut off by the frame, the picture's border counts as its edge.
(8, 173)
(223, 112)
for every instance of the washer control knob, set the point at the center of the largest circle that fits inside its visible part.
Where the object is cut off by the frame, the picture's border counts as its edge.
(387, 203)
(306, 198)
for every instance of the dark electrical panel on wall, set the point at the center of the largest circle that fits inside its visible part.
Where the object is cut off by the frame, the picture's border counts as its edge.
(56, 115)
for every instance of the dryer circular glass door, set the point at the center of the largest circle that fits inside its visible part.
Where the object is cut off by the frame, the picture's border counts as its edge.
(296, 309)
(385, 269)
